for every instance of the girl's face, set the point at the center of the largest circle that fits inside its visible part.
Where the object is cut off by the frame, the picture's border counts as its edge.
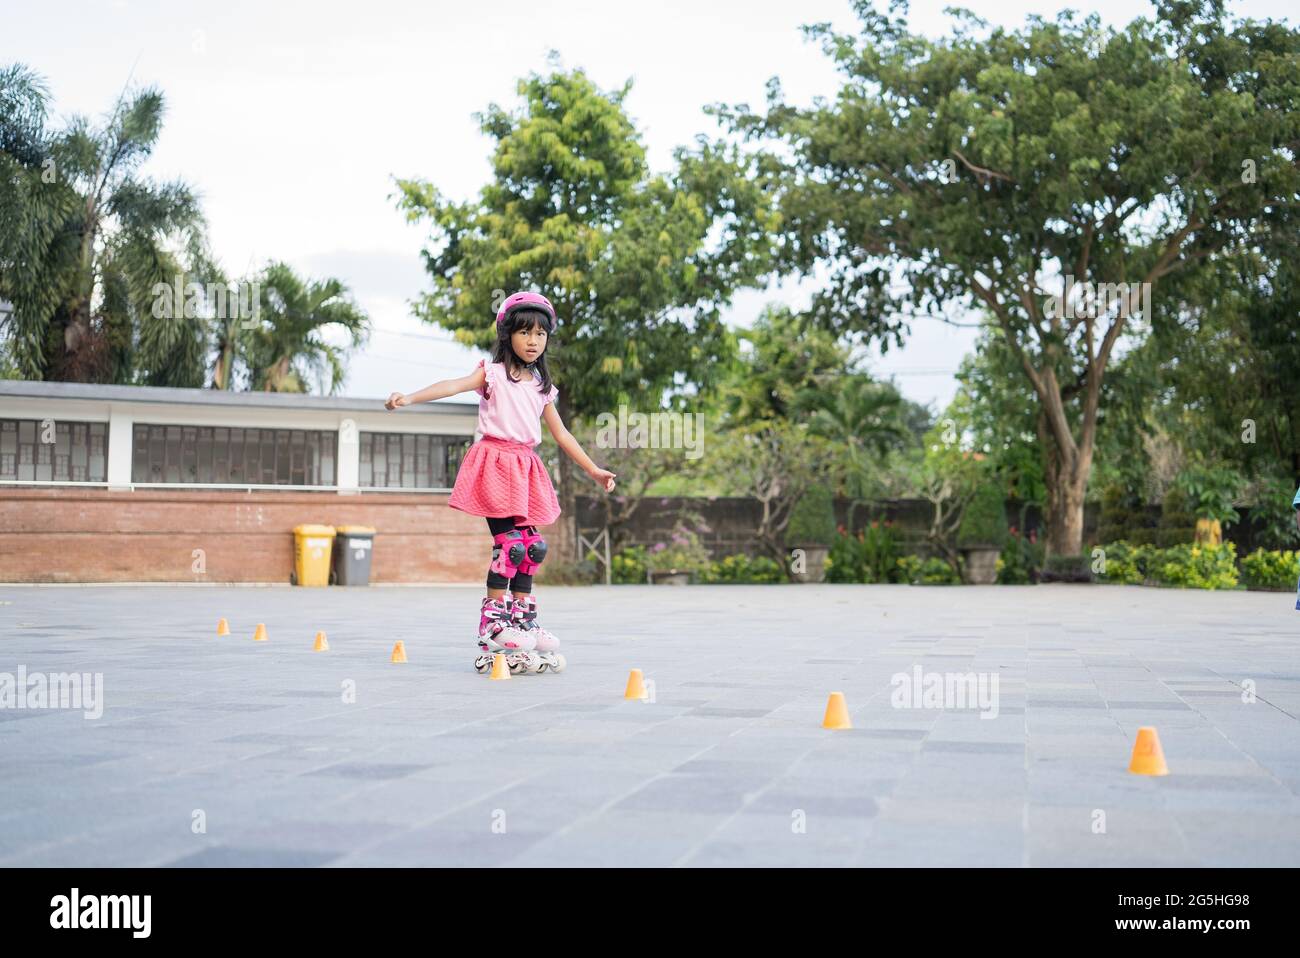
(530, 342)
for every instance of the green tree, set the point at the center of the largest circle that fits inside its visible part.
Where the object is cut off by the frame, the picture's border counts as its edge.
(786, 368)
(36, 252)
(990, 166)
(865, 421)
(947, 476)
(87, 240)
(639, 266)
(774, 461)
(290, 343)
(1002, 416)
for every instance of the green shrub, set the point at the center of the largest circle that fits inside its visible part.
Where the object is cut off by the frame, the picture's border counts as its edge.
(1123, 562)
(1184, 566)
(1274, 516)
(1067, 569)
(933, 571)
(1021, 559)
(585, 572)
(812, 521)
(1196, 567)
(743, 568)
(880, 552)
(1271, 569)
(628, 566)
(984, 523)
(845, 562)
(870, 556)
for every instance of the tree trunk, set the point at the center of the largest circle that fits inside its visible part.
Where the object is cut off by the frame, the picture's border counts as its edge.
(1065, 517)
(225, 360)
(1066, 484)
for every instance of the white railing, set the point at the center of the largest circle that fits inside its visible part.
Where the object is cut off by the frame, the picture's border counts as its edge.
(244, 486)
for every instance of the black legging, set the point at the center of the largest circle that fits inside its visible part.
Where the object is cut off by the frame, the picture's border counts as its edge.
(521, 584)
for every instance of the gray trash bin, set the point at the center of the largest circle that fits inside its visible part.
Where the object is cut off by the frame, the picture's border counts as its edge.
(353, 546)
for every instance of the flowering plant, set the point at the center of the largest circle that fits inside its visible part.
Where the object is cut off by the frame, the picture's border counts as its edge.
(682, 552)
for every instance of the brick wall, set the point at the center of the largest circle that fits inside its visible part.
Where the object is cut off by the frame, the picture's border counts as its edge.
(94, 535)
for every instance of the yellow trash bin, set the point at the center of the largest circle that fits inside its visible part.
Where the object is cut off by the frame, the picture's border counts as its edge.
(311, 554)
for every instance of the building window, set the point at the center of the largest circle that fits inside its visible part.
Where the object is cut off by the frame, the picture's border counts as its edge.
(202, 455)
(409, 460)
(53, 451)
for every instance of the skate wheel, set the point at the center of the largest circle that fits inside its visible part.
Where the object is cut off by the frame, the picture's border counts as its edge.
(558, 663)
(483, 664)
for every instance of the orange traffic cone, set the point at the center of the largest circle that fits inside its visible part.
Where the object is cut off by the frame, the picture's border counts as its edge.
(322, 644)
(259, 635)
(837, 712)
(635, 686)
(399, 652)
(499, 668)
(1148, 756)
(223, 627)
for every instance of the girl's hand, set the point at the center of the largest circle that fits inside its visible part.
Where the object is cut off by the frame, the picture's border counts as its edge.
(603, 477)
(395, 400)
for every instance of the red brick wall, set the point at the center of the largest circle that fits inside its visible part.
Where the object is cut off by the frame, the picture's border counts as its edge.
(93, 535)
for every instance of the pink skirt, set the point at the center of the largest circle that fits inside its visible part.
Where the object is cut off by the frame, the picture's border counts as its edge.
(499, 477)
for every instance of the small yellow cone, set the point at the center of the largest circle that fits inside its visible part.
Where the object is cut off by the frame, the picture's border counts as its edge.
(223, 627)
(499, 668)
(635, 685)
(837, 712)
(260, 634)
(322, 645)
(1148, 756)
(399, 652)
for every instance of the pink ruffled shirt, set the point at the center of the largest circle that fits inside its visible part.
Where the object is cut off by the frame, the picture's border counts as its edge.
(511, 410)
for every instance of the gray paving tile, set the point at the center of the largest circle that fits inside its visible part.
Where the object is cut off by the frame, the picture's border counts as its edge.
(716, 772)
(227, 857)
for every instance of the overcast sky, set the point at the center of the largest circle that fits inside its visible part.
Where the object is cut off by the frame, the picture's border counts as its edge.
(292, 118)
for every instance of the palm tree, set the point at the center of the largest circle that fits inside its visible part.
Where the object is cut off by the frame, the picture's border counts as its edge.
(93, 242)
(226, 330)
(864, 419)
(36, 248)
(290, 341)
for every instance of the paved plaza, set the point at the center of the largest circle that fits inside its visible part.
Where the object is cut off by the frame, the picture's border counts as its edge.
(222, 751)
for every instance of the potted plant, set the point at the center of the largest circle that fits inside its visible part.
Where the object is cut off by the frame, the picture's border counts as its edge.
(674, 561)
(982, 535)
(812, 530)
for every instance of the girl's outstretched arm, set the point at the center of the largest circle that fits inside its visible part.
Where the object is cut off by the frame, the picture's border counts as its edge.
(439, 390)
(564, 439)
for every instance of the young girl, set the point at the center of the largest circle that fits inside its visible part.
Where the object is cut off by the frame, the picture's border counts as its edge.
(502, 479)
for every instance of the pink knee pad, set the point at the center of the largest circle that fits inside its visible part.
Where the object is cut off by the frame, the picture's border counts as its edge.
(534, 551)
(512, 550)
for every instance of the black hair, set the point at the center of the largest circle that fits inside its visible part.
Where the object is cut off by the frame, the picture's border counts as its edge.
(503, 352)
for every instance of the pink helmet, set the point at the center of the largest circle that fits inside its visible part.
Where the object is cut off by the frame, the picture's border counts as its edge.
(517, 301)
